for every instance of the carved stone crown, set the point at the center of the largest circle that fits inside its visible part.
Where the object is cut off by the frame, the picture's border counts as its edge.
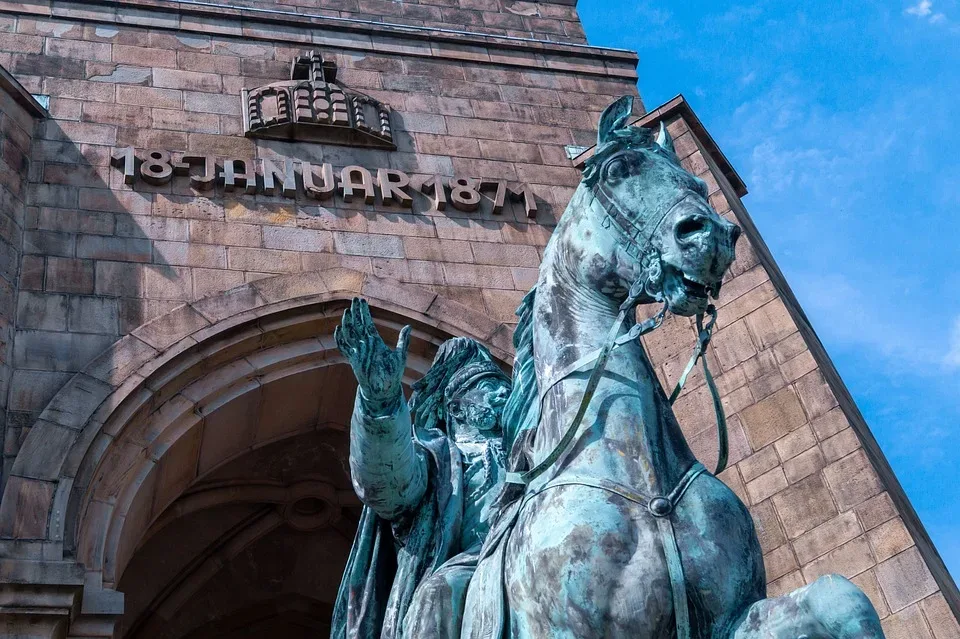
(312, 107)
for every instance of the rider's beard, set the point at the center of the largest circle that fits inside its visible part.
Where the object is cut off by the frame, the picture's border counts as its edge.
(484, 418)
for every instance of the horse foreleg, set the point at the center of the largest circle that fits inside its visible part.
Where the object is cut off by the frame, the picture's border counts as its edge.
(829, 608)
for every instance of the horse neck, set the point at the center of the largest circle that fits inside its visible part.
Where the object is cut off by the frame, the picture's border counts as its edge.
(572, 319)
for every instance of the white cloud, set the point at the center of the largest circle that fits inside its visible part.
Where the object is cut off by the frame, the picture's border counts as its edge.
(922, 9)
(952, 359)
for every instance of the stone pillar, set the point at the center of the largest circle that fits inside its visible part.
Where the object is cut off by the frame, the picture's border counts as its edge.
(47, 600)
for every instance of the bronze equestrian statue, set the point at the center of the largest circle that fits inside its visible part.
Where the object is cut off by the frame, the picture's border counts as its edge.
(607, 524)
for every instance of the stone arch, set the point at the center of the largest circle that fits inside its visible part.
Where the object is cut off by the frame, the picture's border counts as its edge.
(96, 468)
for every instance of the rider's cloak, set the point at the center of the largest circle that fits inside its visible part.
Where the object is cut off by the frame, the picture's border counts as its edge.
(390, 559)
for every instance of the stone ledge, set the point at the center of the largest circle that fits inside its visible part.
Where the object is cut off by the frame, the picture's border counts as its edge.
(21, 96)
(341, 33)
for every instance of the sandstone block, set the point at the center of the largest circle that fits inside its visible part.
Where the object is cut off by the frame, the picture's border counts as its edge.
(876, 511)
(211, 103)
(841, 445)
(766, 485)
(478, 276)
(805, 505)
(796, 442)
(123, 249)
(889, 539)
(779, 562)
(66, 275)
(42, 311)
(906, 624)
(120, 279)
(94, 315)
(207, 281)
(867, 582)
(368, 245)
(188, 80)
(940, 617)
(826, 537)
(164, 282)
(24, 513)
(803, 465)
(905, 579)
(772, 418)
(852, 480)
(829, 424)
(168, 329)
(760, 462)
(848, 560)
(816, 395)
(189, 254)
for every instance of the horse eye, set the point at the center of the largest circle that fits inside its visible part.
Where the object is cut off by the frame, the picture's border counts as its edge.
(617, 169)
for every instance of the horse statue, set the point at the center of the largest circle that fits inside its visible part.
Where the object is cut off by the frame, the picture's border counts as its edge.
(614, 528)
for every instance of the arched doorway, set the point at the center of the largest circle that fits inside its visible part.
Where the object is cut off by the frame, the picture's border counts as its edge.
(201, 469)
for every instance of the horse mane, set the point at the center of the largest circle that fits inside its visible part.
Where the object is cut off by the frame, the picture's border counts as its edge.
(521, 414)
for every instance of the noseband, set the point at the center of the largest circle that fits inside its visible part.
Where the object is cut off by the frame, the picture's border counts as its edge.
(636, 243)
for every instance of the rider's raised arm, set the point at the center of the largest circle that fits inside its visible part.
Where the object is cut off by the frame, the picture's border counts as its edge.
(389, 471)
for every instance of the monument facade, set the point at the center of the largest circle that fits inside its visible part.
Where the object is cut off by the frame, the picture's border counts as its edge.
(192, 194)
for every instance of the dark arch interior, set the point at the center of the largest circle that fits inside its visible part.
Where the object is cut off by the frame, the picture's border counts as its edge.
(256, 547)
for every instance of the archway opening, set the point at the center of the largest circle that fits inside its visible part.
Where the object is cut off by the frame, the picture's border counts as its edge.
(244, 523)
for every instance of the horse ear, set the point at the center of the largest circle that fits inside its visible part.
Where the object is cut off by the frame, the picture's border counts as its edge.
(664, 140)
(614, 117)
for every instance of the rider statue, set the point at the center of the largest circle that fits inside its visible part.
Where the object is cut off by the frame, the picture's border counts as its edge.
(429, 473)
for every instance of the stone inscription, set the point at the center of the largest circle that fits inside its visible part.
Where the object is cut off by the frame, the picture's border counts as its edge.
(322, 182)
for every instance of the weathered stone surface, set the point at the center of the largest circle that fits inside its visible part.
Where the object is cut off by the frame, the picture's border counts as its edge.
(905, 579)
(852, 480)
(772, 418)
(805, 505)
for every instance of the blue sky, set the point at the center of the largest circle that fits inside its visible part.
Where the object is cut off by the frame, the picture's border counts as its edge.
(843, 118)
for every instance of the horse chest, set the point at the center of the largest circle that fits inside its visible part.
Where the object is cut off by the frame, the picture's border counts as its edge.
(592, 564)
(580, 564)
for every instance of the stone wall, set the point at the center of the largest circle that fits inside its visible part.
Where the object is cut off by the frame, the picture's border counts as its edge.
(16, 135)
(103, 257)
(551, 20)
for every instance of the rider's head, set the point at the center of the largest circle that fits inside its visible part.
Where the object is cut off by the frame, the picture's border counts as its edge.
(475, 397)
(455, 374)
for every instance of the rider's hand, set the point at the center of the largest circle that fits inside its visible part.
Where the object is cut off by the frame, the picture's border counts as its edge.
(378, 368)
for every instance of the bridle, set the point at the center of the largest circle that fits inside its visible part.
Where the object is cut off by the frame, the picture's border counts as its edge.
(633, 233)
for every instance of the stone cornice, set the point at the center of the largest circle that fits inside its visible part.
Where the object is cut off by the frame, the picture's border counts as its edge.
(210, 18)
(21, 96)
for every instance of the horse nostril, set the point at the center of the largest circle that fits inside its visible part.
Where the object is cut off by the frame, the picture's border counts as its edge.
(690, 226)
